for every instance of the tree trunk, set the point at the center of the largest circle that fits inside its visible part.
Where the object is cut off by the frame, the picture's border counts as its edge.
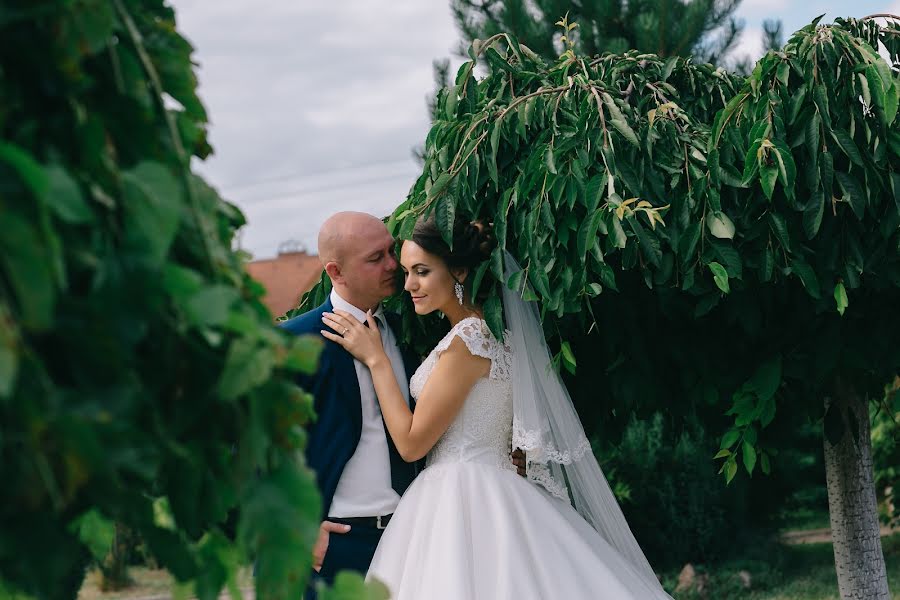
(114, 570)
(855, 532)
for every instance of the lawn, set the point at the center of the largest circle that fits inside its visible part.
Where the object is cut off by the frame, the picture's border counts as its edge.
(782, 572)
(777, 572)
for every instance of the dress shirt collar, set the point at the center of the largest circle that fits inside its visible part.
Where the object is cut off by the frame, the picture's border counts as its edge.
(359, 315)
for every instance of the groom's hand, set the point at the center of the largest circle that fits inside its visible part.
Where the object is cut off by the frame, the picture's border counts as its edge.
(518, 459)
(321, 547)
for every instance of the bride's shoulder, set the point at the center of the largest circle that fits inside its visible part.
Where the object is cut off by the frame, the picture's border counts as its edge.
(478, 339)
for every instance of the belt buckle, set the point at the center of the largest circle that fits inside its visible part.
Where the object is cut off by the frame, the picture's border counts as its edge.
(378, 524)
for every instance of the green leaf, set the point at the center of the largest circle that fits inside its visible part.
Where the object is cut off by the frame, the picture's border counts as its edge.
(720, 225)
(247, 365)
(840, 297)
(891, 104)
(812, 214)
(787, 169)
(848, 146)
(767, 378)
(826, 174)
(730, 469)
(493, 315)
(807, 277)
(618, 120)
(439, 185)
(724, 453)
(96, 532)
(764, 463)
(749, 454)
(349, 585)
(768, 175)
(210, 305)
(720, 275)
(549, 160)
(303, 354)
(478, 278)
(593, 192)
(515, 281)
(895, 185)
(28, 169)
(853, 192)
(688, 242)
(616, 232)
(568, 357)
(495, 144)
(776, 221)
(730, 437)
(444, 216)
(767, 408)
(153, 208)
(64, 197)
(587, 233)
(26, 261)
(450, 102)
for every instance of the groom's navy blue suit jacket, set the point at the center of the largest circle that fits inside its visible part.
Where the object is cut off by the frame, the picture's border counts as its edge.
(334, 435)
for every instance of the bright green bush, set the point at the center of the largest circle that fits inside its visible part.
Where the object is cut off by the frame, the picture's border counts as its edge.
(141, 379)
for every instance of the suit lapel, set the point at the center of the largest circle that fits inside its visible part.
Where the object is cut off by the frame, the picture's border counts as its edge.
(346, 380)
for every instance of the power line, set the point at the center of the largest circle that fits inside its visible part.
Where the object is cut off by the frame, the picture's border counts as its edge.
(326, 188)
(301, 174)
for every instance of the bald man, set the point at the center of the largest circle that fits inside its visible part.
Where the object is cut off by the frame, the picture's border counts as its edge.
(360, 474)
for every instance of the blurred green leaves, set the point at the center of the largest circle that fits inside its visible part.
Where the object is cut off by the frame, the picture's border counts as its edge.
(141, 379)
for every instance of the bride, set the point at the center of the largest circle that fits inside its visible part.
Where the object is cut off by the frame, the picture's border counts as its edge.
(469, 527)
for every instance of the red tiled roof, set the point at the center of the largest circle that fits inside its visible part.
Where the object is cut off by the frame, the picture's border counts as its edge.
(285, 277)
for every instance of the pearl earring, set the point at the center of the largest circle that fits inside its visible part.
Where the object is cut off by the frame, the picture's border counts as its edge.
(458, 290)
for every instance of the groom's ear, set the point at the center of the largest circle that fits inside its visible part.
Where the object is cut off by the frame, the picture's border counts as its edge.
(333, 270)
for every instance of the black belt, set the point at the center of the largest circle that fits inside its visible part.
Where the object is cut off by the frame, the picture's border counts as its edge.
(379, 522)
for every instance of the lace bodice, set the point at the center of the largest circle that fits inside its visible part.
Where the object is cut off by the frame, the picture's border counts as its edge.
(482, 430)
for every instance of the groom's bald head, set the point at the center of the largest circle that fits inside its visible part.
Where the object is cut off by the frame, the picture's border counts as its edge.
(357, 252)
(341, 230)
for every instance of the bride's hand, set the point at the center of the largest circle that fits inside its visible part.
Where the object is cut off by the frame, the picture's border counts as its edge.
(364, 343)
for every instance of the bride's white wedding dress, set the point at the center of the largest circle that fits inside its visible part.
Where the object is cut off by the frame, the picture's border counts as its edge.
(470, 527)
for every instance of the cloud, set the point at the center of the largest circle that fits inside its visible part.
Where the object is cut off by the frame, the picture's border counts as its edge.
(749, 45)
(298, 88)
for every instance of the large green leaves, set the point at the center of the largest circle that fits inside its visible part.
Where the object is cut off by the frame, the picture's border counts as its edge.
(139, 369)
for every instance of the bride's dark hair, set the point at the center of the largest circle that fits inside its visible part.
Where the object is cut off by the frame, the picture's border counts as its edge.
(473, 242)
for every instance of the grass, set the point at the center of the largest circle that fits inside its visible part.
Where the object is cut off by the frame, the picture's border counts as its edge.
(777, 571)
(147, 583)
(780, 572)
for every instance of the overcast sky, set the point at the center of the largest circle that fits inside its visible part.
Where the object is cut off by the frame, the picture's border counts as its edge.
(315, 106)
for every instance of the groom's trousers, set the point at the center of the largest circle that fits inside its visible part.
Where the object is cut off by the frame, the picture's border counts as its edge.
(351, 551)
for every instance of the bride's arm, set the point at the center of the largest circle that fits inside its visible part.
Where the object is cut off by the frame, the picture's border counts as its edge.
(450, 381)
(452, 378)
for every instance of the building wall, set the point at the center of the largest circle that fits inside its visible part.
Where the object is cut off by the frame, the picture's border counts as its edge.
(285, 277)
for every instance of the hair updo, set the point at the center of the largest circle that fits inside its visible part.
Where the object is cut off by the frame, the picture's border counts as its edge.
(472, 242)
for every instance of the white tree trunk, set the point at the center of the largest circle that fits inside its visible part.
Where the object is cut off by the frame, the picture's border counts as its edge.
(858, 557)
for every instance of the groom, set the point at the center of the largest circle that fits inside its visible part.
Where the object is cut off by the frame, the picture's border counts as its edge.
(359, 472)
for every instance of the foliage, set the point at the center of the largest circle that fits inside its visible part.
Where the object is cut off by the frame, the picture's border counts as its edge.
(886, 452)
(141, 380)
(705, 29)
(748, 228)
(676, 505)
(700, 198)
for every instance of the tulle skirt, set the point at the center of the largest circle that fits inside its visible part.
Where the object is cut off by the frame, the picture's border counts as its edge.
(467, 531)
